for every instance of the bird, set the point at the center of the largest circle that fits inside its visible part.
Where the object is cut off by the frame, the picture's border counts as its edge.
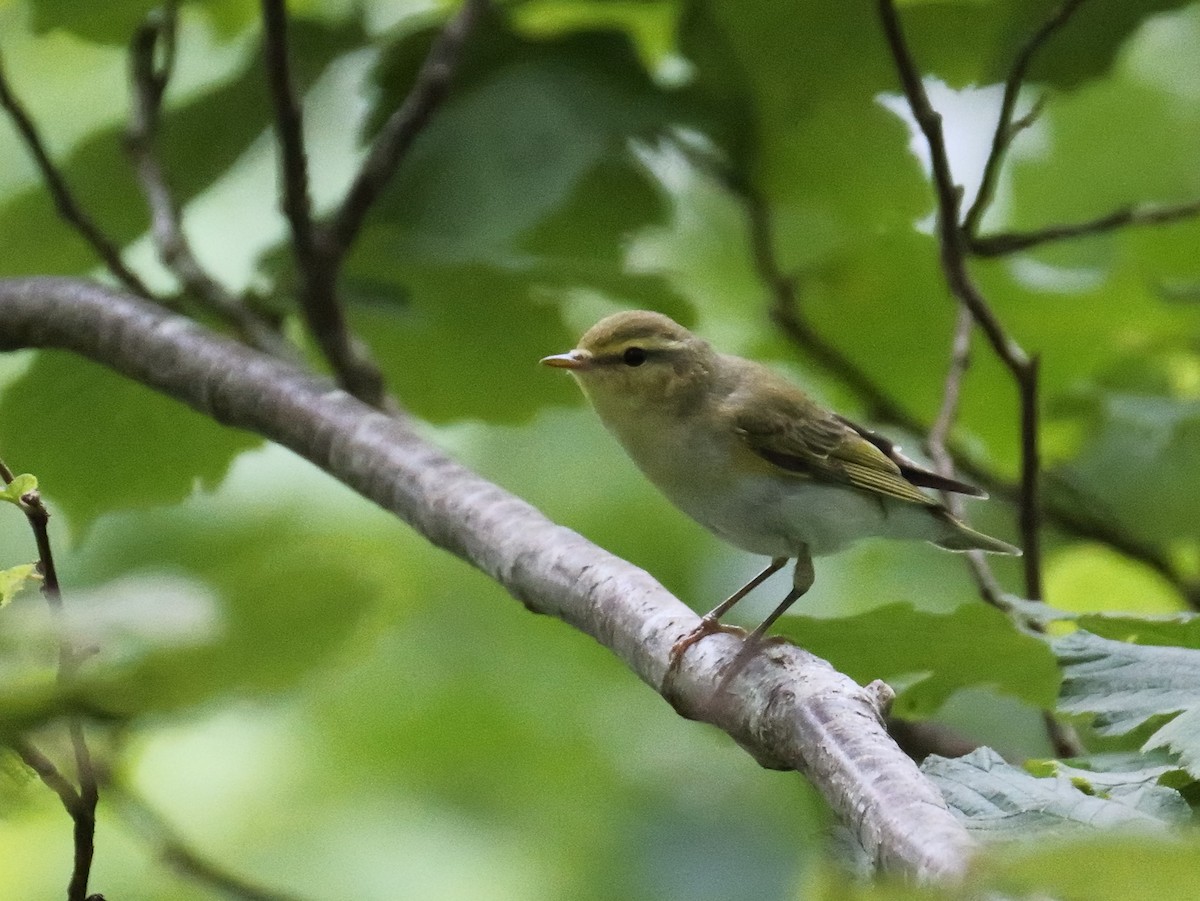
(751, 457)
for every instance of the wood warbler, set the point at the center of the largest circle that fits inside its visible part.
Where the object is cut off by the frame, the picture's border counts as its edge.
(751, 457)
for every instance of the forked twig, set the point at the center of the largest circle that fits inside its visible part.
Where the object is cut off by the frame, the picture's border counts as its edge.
(149, 77)
(69, 209)
(80, 804)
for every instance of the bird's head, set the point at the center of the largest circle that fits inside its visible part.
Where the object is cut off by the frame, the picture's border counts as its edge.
(638, 359)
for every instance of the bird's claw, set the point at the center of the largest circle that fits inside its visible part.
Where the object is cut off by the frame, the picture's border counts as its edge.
(707, 627)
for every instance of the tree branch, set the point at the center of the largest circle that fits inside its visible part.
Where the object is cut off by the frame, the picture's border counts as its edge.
(1020, 365)
(69, 209)
(355, 370)
(1003, 243)
(80, 805)
(148, 80)
(788, 708)
(937, 445)
(50, 775)
(1006, 128)
(402, 127)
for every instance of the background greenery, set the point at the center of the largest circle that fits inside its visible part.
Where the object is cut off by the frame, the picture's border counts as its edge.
(316, 698)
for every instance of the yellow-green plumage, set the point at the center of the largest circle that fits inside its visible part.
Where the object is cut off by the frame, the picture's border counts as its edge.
(748, 454)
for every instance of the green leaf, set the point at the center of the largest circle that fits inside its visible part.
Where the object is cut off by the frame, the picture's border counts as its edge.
(1147, 782)
(998, 801)
(967, 42)
(105, 443)
(495, 222)
(1097, 868)
(1126, 685)
(240, 627)
(1180, 630)
(18, 487)
(14, 579)
(202, 139)
(1141, 464)
(111, 22)
(974, 644)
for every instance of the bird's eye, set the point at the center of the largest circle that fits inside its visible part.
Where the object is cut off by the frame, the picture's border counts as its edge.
(634, 356)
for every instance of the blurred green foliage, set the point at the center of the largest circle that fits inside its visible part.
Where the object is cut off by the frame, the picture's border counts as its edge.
(275, 652)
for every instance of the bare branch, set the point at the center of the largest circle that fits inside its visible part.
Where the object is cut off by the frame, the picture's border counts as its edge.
(65, 203)
(1023, 368)
(1006, 127)
(80, 805)
(355, 370)
(786, 313)
(149, 78)
(788, 708)
(937, 445)
(402, 127)
(50, 775)
(1004, 243)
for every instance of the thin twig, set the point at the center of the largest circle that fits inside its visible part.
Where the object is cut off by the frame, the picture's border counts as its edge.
(1022, 367)
(1010, 242)
(396, 137)
(936, 444)
(181, 857)
(351, 363)
(785, 309)
(68, 208)
(1062, 736)
(49, 773)
(1006, 127)
(149, 77)
(81, 806)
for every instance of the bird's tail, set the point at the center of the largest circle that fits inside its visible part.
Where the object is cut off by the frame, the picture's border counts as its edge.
(958, 536)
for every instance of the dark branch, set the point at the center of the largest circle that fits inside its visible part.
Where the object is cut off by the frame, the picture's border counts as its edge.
(402, 127)
(50, 775)
(82, 805)
(1006, 127)
(786, 313)
(787, 707)
(937, 445)
(1023, 369)
(1004, 243)
(149, 77)
(351, 363)
(65, 203)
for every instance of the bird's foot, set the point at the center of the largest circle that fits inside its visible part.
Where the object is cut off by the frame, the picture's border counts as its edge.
(708, 626)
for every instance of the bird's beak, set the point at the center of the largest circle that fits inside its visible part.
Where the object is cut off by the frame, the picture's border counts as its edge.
(572, 359)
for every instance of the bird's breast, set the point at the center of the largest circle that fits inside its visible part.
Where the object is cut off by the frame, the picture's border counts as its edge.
(714, 478)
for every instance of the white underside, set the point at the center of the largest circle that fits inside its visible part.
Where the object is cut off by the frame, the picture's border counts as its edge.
(772, 514)
(777, 516)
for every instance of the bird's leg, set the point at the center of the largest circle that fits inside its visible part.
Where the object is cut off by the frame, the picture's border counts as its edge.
(711, 621)
(802, 580)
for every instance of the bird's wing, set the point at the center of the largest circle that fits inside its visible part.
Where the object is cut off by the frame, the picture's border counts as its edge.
(910, 468)
(799, 437)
